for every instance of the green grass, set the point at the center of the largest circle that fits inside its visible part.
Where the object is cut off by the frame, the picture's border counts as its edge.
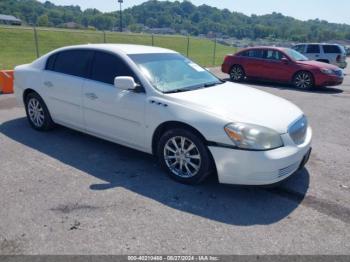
(17, 45)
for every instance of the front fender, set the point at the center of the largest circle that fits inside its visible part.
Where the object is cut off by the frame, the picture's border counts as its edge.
(159, 110)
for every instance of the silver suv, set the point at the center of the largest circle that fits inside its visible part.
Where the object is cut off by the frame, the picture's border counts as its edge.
(328, 53)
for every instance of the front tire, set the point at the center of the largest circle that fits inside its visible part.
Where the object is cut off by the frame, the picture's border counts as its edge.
(237, 73)
(303, 80)
(184, 156)
(37, 113)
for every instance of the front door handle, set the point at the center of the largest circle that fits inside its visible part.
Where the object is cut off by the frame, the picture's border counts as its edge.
(91, 96)
(48, 84)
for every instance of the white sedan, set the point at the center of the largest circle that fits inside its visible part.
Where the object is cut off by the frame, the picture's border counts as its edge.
(157, 101)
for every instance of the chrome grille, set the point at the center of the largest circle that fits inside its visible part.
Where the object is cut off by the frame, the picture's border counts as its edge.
(298, 129)
(338, 72)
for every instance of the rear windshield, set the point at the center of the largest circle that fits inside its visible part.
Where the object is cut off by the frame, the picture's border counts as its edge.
(342, 48)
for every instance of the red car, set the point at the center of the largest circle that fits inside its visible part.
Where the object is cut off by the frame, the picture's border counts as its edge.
(281, 65)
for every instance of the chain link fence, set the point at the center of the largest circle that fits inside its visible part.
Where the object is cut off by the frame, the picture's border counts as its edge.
(20, 45)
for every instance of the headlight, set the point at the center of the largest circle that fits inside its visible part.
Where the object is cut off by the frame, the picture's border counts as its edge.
(253, 137)
(327, 71)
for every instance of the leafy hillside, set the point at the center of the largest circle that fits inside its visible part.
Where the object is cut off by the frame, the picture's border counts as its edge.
(180, 16)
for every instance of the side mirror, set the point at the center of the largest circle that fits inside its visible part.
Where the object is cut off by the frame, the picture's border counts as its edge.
(125, 83)
(285, 60)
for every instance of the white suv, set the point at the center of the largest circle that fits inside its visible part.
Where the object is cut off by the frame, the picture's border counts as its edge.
(327, 53)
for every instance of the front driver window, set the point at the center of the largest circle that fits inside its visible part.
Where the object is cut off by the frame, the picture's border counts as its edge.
(107, 66)
(313, 49)
(273, 55)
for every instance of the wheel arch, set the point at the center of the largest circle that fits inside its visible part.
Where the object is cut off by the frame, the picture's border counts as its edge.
(303, 70)
(164, 127)
(48, 122)
(236, 64)
(27, 92)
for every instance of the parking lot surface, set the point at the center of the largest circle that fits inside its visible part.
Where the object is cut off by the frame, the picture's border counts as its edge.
(64, 192)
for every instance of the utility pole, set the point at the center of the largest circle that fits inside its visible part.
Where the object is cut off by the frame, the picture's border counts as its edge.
(214, 52)
(121, 16)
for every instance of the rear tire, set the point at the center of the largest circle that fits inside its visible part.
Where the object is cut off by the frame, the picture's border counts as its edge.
(237, 73)
(184, 156)
(303, 80)
(37, 113)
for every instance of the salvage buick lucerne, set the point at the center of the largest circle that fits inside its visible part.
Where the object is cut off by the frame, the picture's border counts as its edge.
(159, 102)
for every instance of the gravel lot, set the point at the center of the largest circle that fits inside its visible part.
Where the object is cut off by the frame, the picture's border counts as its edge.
(67, 193)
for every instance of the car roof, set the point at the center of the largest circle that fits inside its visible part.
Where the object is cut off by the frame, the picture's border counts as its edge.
(121, 48)
(264, 47)
(317, 44)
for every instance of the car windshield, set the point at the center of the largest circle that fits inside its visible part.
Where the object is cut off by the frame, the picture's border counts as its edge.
(295, 55)
(171, 72)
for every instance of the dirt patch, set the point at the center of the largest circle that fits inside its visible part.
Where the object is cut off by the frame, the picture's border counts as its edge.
(10, 247)
(70, 208)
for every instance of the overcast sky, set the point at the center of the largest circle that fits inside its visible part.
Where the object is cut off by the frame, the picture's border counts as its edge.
(333, 11)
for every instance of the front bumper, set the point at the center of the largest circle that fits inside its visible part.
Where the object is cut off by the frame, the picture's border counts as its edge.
(261, 167)
(329, 80)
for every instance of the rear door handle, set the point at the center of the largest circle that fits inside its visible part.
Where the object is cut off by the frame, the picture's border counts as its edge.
(48, 84)
(91, 96)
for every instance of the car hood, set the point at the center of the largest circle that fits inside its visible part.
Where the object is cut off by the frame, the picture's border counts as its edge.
(318, 64)
(240, 103)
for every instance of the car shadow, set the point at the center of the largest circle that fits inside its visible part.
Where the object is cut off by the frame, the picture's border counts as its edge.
(282, 86)
(118, 166)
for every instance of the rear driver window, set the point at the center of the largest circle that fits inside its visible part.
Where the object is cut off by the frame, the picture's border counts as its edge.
(50, 63)
(331, 49)
(72, 62)
(253, 53)
(107, 66)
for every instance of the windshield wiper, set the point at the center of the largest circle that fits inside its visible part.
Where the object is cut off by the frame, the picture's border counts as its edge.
(178, 90)
(212, 84)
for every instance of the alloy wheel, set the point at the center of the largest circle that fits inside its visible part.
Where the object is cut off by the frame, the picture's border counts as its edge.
(182, 157)
(236, 73)
(303, 80)
(36, 112)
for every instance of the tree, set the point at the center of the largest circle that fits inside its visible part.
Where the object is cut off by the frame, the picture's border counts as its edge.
(102, 22)
(43, 20)
(135, 28)
(151, 22)
(180, 15)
